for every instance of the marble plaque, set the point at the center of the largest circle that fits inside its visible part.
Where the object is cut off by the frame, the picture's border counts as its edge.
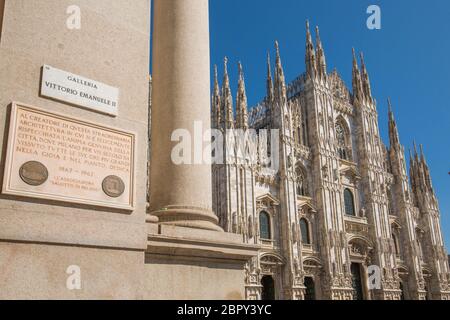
(68, 87)
(55, 157)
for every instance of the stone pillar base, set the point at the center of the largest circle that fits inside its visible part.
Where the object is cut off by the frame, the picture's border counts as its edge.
(188, 217)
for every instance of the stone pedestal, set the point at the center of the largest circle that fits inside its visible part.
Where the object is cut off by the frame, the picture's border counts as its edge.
(186, 263)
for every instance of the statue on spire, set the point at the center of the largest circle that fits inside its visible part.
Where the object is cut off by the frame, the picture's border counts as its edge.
(227, 99)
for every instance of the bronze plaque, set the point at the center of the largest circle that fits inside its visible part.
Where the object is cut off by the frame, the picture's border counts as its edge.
(33, 173)
(113, 186)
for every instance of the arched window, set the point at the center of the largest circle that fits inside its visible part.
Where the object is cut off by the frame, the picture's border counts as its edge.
(342, 141)
(349, 202)
(304, 229)
(302, 185)
(264, 225)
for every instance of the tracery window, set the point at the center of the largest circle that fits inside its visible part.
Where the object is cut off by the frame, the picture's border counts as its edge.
(344, 151)
(264, 226)
(349, 202)
(304, 229)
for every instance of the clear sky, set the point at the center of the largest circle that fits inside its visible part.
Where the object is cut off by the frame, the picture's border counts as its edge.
(408, 60)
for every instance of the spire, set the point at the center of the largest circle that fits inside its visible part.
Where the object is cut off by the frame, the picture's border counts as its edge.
(411, 162)
(216, 101)
(426, 171)
(269, 81)
(416, 154)
(356, 80)
(420, 173)
(393, 131)
(280, 82)
(310, 56)
(365, 79)
(412, 175)
(227, 99)
(241, 102)
(422, 155)
(391, 114)
(321, 61)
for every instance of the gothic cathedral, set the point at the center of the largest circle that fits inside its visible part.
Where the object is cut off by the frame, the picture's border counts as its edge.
(340, 219)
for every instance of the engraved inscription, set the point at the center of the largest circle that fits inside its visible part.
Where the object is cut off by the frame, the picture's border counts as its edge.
(77, 156)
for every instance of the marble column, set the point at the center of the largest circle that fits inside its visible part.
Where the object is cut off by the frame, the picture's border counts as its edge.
(181, 195)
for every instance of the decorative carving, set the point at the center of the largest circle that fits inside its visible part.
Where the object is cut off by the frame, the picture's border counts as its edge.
(113, 186)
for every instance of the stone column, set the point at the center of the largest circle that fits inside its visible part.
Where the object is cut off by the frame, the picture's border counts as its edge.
(181, 195)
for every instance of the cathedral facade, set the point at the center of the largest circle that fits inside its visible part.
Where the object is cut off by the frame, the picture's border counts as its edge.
(341, 218)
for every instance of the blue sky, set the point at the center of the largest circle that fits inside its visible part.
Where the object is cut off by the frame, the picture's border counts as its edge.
(408, 60)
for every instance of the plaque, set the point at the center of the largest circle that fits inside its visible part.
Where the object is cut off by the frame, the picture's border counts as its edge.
(54, 157)
(78, 90)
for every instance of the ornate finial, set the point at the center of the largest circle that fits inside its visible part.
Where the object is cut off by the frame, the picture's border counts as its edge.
(269, 88)
(277, 47)
(241, 72)
(269, 68)
(227, 100)
(241, 101)
(416, 154)
(308, 35)
(411, 158)
(363, 65)
(422, 154)
(216, 76)
(318, 41)
(225, 71)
